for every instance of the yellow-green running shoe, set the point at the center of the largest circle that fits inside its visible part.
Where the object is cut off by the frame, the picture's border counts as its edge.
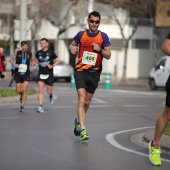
(84, 135)
(154, 154)
(77, 128)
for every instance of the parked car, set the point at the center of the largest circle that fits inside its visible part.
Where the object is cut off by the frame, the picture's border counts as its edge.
(159, 73)
(61, 71)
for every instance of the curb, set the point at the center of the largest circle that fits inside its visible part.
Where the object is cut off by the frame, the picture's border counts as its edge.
(165, 140)
(16, 98)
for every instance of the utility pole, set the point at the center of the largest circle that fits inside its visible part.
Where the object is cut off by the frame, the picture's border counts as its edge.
(90, 6)
(23, 19)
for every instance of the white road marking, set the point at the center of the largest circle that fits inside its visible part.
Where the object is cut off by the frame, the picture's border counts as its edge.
(97, 100)
(9, 118)
(111, 139)
(135, 106)
(138, 92)
(161, 105)
(53, 106)
(94, 100)
(91, 106)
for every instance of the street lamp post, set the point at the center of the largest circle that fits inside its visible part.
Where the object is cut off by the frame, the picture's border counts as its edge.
(23, 20)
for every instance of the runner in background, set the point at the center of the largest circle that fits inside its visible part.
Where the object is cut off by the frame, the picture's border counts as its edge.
(2, 63)
(12, 69)
(164, 118)
(46, 59)
(22, 71)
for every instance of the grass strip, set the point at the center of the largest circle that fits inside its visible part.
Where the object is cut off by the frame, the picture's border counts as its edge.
(167, 130)
(12, 92)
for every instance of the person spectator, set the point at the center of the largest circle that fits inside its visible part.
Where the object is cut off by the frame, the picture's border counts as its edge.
(2, 63)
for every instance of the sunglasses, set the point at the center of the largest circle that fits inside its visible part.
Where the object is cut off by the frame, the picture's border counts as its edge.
(93, 21)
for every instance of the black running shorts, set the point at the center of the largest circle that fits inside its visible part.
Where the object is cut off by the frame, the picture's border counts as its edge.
(49, 81)
(167, 87)
(21, 78)
(87, 79)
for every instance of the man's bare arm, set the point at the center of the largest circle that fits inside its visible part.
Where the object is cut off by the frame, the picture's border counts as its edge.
(166, 46)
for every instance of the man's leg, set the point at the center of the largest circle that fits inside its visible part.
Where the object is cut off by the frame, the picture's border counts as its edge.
(154, 146)
(161, 123)
(40, 92)
(11, 81)
(24, 92)
(81, 106)
(40, 96)
(88, 100)
(84, 99)
(50, 93)
(19, 88)
(163, 119)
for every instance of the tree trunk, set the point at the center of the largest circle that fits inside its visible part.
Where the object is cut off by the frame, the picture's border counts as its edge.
(12, 43)
(124, 80)
(33, 46)
(56, 44)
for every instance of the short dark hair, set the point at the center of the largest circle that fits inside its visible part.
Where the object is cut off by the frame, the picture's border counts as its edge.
(44, 39)
(94, 13)
(23, 43)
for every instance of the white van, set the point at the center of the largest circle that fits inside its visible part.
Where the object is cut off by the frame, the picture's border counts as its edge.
(159, 73)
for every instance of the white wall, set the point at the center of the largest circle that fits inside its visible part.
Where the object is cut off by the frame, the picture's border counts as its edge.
(63, 52)
(139, 63)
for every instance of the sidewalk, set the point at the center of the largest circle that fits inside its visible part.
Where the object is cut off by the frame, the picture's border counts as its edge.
(16, 99)
(142, 82)
(165, 140)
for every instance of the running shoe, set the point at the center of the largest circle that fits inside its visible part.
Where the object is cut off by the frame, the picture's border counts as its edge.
(21, 109)
(40, 109)
(84, 135)
(154, 154)
(51, 99)
(77, 128)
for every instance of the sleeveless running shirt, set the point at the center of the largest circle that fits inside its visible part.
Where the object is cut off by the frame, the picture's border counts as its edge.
(88, 59)
(23, 56)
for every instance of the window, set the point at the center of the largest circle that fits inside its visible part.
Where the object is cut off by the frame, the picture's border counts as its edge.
(116, 44)
(161, 64)
(141, 44)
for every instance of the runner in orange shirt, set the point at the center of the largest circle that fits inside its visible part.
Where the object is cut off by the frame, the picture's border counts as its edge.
(92, 46)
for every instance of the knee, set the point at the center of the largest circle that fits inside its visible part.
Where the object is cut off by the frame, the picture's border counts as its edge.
(40, 90)
(87, 103)
(49, 92)
(18, 91)
(24, 90)
(81, 100)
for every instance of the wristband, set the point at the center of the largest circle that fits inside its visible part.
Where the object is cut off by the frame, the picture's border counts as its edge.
(101, 49)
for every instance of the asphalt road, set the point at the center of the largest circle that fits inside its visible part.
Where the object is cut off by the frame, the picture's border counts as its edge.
(45, 141)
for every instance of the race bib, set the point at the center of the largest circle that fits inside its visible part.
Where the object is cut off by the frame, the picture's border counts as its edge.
(89, 58)
(22, 68)
(44, 76)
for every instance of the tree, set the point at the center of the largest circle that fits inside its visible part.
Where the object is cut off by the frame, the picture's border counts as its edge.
(60, 14)
(8, 13)
(136, 10)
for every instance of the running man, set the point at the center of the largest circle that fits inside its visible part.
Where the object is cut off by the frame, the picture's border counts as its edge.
(22, 72)
(47, 59)
(93, 46)
(2, 63)
(164, 118)
(12, 70)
